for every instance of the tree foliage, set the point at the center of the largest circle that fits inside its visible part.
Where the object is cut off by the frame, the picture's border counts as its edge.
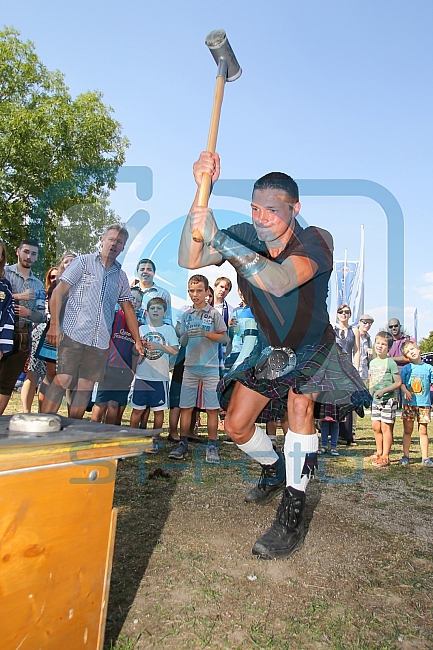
(56, 152)
(81, 225)
(426, 345)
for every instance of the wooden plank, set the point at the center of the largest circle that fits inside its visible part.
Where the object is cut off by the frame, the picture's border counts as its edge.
(106, 590)
(78, 440)
(53, 557)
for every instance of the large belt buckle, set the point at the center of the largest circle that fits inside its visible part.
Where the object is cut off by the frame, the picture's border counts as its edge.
(275, 362)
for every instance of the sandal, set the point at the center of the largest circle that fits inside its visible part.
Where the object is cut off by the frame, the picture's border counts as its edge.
(374, 457)
(381, 463)
(170, 437)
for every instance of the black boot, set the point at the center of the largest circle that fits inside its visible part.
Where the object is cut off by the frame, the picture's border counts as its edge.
(286, 535)
(272, 482)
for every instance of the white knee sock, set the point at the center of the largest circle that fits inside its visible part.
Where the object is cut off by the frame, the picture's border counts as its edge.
(296, 446)
(260, 448)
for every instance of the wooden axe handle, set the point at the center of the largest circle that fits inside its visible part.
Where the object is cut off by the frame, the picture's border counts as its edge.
(204, 191)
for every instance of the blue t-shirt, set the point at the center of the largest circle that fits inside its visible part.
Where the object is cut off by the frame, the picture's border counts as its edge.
(241, 314)
(417, 377)
(201, 353)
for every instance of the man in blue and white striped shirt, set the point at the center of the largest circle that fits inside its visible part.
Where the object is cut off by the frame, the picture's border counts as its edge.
(94, 285)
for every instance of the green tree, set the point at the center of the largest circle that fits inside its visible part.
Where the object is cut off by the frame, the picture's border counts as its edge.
(56, 152)
(81, 226)
(426, 345)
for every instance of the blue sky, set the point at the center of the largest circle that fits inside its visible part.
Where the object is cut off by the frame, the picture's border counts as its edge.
(331, 89)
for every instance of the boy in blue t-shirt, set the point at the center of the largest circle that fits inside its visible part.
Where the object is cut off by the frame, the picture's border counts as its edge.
(417, 377)
(202, 330)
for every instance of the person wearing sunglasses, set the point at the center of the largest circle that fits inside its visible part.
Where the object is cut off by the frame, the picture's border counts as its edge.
(365, 345)
(365, 354)
(346, 335)
(399, 339)
(348, 340)
(396, 350)
(50, 277)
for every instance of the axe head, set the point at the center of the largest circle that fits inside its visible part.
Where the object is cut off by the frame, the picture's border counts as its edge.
(221, 49)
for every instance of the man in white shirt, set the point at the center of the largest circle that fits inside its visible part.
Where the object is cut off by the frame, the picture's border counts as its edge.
(146, 270)
(222, 287)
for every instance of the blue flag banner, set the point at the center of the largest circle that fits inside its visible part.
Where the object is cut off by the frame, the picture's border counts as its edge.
(345, 273)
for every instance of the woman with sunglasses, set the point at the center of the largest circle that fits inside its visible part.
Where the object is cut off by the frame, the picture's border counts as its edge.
(348, 341)
(50, 276)
(38, 368)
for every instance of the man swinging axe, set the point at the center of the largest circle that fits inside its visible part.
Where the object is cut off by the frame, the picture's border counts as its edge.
(297, 374)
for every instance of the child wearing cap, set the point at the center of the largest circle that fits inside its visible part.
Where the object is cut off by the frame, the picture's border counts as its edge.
(365, 345)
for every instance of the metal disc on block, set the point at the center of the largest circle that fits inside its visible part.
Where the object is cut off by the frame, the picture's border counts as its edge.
(34, 423)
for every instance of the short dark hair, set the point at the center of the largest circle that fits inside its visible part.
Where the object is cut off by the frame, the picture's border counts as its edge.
(195, 279)
(147, 261)
(157, 301)
(29, 242)
(278, 181)
(385, 335)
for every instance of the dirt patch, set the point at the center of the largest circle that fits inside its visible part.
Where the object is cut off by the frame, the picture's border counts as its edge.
(184, 576)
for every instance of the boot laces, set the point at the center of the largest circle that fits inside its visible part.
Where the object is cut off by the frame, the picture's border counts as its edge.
(288, 511)
(268, 476)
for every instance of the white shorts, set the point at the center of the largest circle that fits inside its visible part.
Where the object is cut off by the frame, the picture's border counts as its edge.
(188, 391)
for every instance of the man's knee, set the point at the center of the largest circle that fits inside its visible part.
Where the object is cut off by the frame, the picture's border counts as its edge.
(85, 384)
(235, 425)
(62, 381)
(300, 407)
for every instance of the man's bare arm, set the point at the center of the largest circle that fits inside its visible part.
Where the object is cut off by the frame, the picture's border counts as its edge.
(56, 301)
(132, 323)
(279, 279)
(192, 254)
(276, 279)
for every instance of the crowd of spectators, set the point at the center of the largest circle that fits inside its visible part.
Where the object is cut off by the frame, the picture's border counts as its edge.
(87, 330)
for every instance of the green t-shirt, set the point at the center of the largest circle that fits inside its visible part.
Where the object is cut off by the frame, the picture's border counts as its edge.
(381, 375)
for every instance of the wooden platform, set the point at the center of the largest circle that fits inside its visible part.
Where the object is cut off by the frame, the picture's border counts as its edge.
(57, 531)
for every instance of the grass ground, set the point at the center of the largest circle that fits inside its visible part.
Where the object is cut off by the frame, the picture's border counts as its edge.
(184, 577)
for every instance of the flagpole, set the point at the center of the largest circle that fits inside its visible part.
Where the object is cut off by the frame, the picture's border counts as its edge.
(415, 324)
(345, 277)
(358, 305)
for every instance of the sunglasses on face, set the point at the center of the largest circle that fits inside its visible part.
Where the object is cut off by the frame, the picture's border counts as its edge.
(52, 277)
(394, 327)
(344, 311)
(366, 322)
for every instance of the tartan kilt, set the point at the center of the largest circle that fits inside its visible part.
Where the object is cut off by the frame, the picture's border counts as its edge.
(320, 369)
